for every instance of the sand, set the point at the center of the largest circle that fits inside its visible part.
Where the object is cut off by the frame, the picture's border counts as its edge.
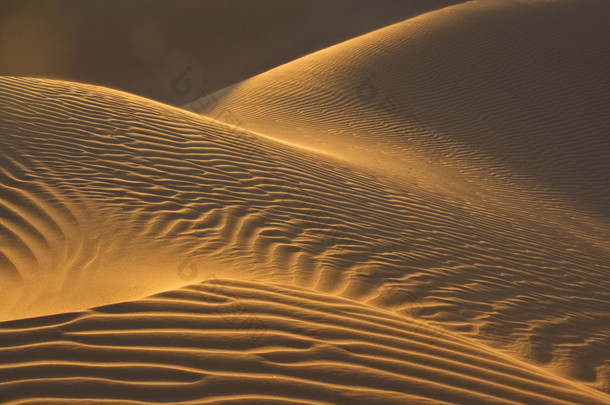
(417, 215)
(251, 342)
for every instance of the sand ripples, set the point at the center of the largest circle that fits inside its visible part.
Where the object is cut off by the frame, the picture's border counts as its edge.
(380, 240)
(230, 341)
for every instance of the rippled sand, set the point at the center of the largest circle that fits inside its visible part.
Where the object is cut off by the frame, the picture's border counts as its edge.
(417, 215)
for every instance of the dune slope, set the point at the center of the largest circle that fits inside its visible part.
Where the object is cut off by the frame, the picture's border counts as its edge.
(501, 106)
(520, 88)
(244, 342)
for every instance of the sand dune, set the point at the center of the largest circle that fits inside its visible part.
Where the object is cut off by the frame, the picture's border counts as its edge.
(247, 342)
(143, 197)
(500, 107)
(520, 88)
(377, 222)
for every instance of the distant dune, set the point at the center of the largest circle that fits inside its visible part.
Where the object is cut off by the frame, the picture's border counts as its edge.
(176, 50)
(418, 215)
(522, 86)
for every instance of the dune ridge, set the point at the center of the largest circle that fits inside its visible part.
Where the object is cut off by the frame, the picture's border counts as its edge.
(228, 341)
(499, 84)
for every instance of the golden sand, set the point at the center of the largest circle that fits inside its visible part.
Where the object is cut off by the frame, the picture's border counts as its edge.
(415, 216)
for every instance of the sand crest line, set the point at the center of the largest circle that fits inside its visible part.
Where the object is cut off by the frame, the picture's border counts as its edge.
(188, 271)
(213, 285)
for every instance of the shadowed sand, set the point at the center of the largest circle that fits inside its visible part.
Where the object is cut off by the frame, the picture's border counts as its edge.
(520, 87)
(388, 224)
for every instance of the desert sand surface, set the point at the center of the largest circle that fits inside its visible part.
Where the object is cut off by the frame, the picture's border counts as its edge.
(251, 342)
(418, 215)
(503, 123)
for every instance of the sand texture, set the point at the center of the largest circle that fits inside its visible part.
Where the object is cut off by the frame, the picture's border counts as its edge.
(418, 215)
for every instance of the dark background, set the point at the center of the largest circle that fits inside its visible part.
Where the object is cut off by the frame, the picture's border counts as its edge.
(173, 50)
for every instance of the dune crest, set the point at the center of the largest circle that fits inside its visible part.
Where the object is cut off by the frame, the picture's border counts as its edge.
(176, 50)
(519, 87)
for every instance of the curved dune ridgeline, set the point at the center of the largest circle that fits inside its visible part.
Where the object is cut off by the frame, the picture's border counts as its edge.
(518, 86)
